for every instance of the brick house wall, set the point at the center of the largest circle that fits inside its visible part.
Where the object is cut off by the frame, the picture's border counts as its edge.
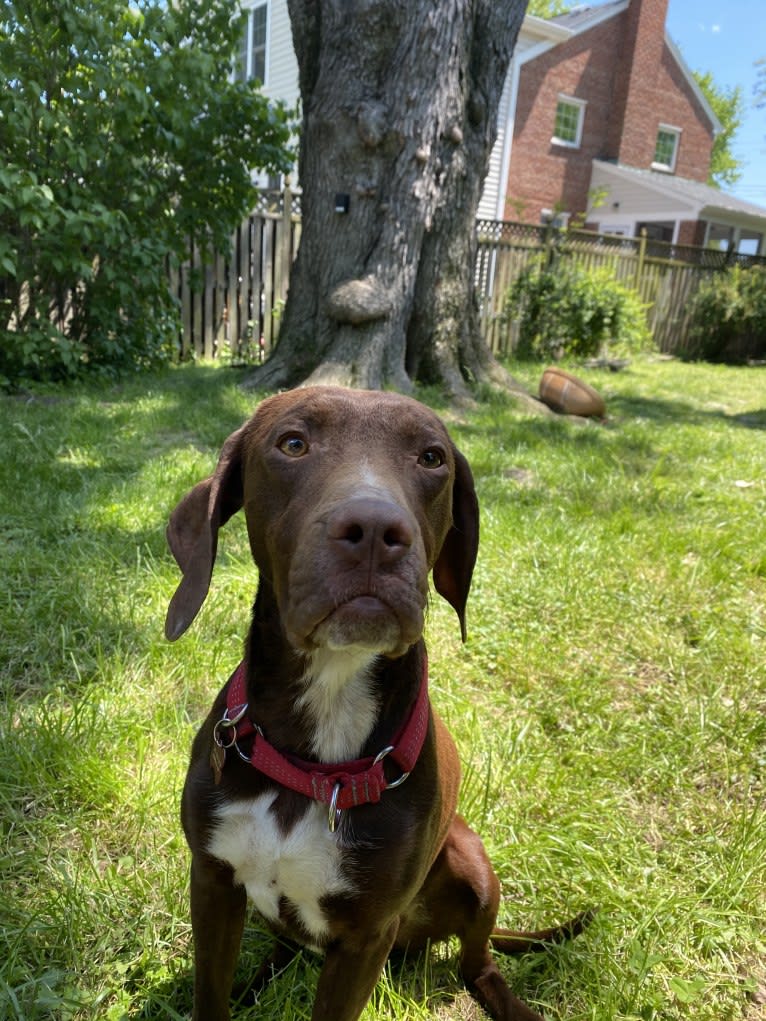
(633, 121)
(625, 71)
(678, 106)
(541, 174)
(691, 232)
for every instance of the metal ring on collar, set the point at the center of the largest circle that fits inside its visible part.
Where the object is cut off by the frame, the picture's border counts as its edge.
(334, 814)
(379, 758)
(228, 724)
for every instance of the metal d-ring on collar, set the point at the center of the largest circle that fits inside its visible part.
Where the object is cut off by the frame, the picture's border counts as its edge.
(227, 722)
(334, 814)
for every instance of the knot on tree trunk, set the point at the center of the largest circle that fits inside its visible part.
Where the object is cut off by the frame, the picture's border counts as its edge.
(372, 123)
(359, 301)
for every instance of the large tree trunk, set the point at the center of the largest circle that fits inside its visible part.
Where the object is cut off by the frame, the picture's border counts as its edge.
(400, 103)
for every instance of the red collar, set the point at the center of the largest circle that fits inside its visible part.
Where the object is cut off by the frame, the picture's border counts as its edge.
(340, 785)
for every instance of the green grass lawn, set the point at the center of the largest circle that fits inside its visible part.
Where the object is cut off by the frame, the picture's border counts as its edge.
(610, 705)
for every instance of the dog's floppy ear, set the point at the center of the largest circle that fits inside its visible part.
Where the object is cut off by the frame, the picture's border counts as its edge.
(454, 565)
(192, 533)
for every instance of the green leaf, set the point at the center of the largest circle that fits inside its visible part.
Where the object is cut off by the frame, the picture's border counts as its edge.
(687, 990)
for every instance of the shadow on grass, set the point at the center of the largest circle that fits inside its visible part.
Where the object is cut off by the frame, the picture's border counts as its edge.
(667, 412)
(74, 521)
(429, 978)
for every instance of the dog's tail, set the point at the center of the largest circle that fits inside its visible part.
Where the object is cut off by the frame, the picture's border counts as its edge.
(508, 941)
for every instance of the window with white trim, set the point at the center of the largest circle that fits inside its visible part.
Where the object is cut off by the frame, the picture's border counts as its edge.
(567, 128)
(666, 148)
(251, 58)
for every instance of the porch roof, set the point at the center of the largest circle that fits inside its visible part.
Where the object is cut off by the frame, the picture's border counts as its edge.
(694, 199)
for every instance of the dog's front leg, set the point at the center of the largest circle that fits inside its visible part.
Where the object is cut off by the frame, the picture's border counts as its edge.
(218, 918)
(349, 973)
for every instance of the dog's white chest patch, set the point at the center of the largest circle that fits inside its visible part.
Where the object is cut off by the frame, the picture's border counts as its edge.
(340, 702)
(302, 866)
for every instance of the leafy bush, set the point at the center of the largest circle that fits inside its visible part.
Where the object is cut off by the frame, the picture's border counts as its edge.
(565, 309)
(122, 133)
(729, 317)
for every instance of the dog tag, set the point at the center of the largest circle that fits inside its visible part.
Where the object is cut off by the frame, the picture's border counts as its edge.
(217, 760)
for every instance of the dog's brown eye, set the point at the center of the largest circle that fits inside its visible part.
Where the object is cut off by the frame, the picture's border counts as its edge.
(431, 459)
(293, 446)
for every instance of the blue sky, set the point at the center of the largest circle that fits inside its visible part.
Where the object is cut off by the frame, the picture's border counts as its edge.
(726, 37)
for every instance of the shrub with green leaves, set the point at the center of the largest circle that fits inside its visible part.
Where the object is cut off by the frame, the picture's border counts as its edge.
(729, 317)
(564, 309)
(122, 133)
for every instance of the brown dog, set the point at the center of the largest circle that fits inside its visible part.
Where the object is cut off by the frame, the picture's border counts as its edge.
(322, 786)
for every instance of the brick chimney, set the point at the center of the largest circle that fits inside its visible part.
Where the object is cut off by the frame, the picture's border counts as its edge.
(633, 121)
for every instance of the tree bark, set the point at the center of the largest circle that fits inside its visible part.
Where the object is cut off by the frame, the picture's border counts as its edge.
(400, 101)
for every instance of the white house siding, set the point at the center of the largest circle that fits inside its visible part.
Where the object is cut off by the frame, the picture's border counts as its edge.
(282, 74)
(493, 182)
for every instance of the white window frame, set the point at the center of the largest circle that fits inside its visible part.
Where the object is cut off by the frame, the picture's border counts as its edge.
(579, 105)
(669, 129)
(249, 8)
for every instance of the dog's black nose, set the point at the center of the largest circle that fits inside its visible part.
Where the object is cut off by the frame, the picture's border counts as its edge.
(370, 530)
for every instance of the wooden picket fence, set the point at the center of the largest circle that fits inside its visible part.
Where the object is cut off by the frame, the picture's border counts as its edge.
(666, 276)
(232, 305)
